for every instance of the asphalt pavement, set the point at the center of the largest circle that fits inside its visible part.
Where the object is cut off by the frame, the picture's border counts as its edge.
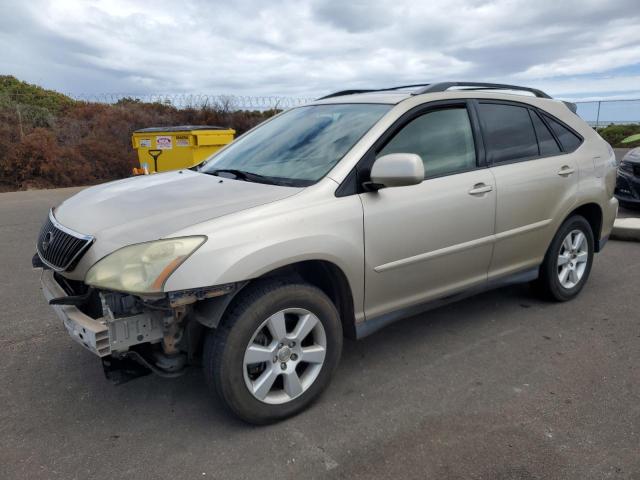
(499, 386)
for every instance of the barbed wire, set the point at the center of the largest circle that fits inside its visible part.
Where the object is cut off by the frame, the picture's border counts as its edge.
(187, 100)
(180, 100)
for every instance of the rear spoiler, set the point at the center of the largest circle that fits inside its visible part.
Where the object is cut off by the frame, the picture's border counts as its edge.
(571, 106)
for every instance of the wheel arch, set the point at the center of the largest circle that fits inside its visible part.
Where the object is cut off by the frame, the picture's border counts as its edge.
(593, 214)
(329, 278)
(323, 274)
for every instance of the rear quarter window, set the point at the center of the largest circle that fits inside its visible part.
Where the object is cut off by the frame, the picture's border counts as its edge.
(569, 140)
(548, 144)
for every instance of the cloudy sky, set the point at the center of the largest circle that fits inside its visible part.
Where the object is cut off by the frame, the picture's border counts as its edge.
(572, 48)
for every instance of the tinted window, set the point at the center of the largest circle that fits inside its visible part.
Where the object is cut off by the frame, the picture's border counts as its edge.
(508, 132)
(442, 138)
(569, 140)
(546, 142)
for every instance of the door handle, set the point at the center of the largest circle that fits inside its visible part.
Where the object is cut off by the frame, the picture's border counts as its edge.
(565, 171)
(480, 189)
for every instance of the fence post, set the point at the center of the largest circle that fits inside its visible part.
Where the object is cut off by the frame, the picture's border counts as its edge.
(598, 115)
(20, 121)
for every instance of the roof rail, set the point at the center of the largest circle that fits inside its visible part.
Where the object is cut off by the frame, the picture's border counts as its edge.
(413, 85)
(444, 86)
(369, 90)
(346, 92)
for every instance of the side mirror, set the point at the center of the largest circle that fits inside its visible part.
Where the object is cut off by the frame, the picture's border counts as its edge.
(396, 170)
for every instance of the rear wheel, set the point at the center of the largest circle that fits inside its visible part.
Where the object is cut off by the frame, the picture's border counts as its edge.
(568, 261)
(275, 351)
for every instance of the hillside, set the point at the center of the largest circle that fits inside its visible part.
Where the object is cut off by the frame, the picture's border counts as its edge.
(50, 140)
(12, 89)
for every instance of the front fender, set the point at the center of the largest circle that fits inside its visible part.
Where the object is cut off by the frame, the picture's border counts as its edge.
(250, 244)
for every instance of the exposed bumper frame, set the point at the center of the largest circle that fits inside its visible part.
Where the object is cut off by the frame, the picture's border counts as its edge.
(105, 335)
(90, 333)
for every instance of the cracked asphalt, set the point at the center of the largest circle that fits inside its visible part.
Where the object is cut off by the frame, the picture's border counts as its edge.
(498, 386)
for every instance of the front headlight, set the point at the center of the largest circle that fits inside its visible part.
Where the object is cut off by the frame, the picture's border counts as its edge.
(626, 166)
(144, 267)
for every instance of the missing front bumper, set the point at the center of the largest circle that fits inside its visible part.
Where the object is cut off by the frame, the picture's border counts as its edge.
(105, 335)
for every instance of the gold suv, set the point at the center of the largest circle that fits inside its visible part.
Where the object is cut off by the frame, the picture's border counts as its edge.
(331, 219)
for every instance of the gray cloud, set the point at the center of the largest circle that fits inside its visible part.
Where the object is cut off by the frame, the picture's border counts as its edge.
(309, 48)
(355, 16)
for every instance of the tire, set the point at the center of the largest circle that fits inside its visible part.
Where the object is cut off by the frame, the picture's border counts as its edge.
(549, 283)
(248, 329)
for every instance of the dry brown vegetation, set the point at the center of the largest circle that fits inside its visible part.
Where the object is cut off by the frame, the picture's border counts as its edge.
(49, 140)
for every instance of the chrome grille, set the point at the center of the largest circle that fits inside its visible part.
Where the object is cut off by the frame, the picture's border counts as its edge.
(60, 247)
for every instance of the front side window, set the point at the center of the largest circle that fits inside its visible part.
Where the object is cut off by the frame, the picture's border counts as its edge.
(508, 132)
(442, 138)
(300, 146)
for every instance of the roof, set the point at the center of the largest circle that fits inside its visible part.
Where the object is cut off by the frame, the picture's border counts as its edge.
(395, 95)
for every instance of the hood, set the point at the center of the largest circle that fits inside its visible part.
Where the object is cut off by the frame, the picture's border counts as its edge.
(149, 207)
(632, 156)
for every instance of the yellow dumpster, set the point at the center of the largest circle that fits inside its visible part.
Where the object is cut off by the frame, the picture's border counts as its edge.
(171, 148)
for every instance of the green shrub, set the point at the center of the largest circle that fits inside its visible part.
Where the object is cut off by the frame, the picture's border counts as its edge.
(16, 91)
(614, 134)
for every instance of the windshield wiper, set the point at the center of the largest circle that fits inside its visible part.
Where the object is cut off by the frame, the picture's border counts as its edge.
(257, 178)
(242, 175)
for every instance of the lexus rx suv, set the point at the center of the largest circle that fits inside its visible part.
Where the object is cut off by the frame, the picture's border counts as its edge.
(331, 219)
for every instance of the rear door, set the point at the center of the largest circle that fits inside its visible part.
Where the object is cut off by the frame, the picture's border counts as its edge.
(536, 183)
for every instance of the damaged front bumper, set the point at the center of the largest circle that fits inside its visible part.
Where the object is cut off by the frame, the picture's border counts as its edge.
(135, 335)
(105, 335)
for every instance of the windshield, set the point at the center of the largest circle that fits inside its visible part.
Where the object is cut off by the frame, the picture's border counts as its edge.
(300, 146)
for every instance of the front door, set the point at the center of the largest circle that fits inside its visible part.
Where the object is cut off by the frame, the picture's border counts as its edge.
(429, 240)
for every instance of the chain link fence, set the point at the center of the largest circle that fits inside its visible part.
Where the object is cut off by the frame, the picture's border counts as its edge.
(600, 113)
(597, 113)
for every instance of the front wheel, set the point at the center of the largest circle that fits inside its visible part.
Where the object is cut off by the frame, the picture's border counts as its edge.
(275, 351)
(568, 261)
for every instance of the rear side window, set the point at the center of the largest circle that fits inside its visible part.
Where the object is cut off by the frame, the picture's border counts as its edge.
(508, 132)
(569, 140)
(548, 144)
(442, 138)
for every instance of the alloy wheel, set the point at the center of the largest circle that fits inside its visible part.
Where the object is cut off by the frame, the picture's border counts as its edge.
(572, 259)
(284, 356)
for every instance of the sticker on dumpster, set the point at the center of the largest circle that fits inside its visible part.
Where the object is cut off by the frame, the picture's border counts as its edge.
(145, 143)
(182, 140)
(164, 142)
